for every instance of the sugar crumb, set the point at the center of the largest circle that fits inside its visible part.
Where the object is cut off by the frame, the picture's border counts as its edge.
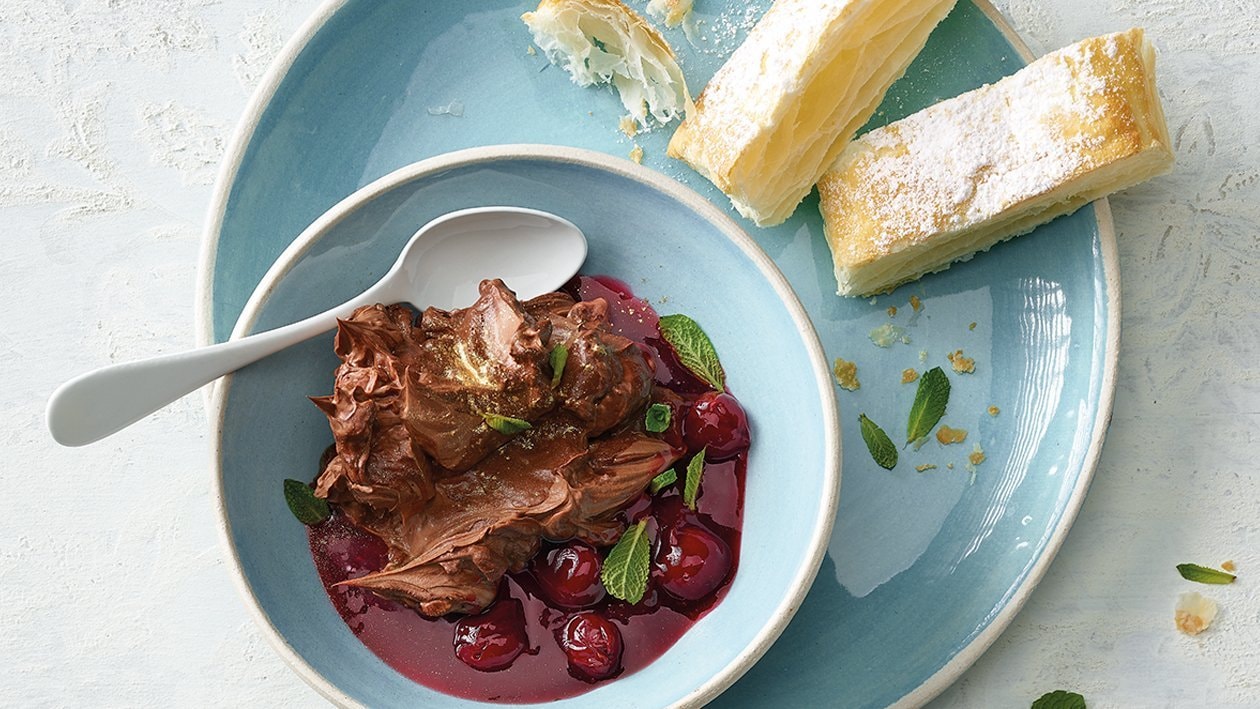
(923, 355)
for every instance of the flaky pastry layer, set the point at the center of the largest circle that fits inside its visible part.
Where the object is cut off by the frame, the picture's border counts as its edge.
(955, 178)
(777, 114)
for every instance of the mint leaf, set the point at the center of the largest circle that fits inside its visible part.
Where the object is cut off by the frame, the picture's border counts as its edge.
(1059, 699)
(929, 404)
(506, 425)
(878, 443)
(657, 419)
(662, 481)
(625, 570)
(694, 349)
(691, 486)
(1202, 574)
(308, 509)
(558, 358)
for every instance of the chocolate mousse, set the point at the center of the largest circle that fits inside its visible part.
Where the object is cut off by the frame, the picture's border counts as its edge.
(458, 501)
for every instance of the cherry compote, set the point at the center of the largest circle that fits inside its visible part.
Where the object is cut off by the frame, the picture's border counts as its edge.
(554, 631)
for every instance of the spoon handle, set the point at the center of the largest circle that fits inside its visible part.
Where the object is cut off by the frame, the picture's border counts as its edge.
(104, 401)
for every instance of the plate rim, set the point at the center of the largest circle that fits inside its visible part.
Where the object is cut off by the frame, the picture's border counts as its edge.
(620, 167)
(955, 666)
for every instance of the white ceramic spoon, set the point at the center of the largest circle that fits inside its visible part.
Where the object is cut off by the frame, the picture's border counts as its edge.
(533, 252)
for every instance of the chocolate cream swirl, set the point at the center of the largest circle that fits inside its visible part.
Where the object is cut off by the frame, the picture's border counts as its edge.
(458, 503)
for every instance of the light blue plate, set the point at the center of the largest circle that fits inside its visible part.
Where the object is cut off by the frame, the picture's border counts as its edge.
(925, 569)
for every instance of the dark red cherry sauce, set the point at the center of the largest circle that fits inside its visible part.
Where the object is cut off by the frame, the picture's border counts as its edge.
(694, 557)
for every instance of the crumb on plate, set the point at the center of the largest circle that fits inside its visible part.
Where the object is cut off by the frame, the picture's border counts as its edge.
(961, 364)
(972, 326)
(916, 303)
(628, 125)
(925, 467)
(846, 374)
(1229, 566)
(885, 335)
(977, 455)
(946, 435)
(994, 411)
(636, 154)
(909, 375)
(892, 311)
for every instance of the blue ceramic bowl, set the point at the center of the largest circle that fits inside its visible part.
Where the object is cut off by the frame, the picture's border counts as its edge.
(672, 247)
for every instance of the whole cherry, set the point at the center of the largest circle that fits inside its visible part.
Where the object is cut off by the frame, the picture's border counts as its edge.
(717, 422)
(593, 646)
(569, 575)
(691, 562)
(492, 640)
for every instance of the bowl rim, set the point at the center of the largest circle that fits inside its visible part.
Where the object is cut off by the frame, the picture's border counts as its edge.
(300, 246)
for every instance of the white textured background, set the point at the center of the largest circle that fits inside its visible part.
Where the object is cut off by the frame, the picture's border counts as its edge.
(113, 587)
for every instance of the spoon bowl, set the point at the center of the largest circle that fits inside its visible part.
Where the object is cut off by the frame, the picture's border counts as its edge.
(442, 264)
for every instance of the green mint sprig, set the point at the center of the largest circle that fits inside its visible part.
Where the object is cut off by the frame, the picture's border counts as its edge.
(308, 509)
(1203, 574)
(878, 443)
(691, 485)
(662, 481)
(625, 570)
(657, 418)
(507, 425)
(930, 401)
(694, 348)
(1059, 699)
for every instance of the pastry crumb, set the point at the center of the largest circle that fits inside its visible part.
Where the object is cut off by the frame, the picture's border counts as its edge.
(1194, 613)
(961, 364)
(628, 125)
(949, 465)
(977, 455)
(530, 50)
(885, 335)
(846, 374)
(909, 375)
(994, 411)
(892, 311)
(671, 12)
(925, 467)
(947, 436)
(1229, 566)
(923, 355)
(915, 303)
(636, 154)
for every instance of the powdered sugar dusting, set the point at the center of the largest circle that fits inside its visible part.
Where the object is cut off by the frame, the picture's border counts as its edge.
(966, 159)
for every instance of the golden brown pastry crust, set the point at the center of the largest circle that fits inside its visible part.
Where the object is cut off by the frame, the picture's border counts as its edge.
(936, 187)
(811, 72)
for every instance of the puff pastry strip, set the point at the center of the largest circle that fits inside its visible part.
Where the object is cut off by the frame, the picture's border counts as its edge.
(777, 114)
(955, 178)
